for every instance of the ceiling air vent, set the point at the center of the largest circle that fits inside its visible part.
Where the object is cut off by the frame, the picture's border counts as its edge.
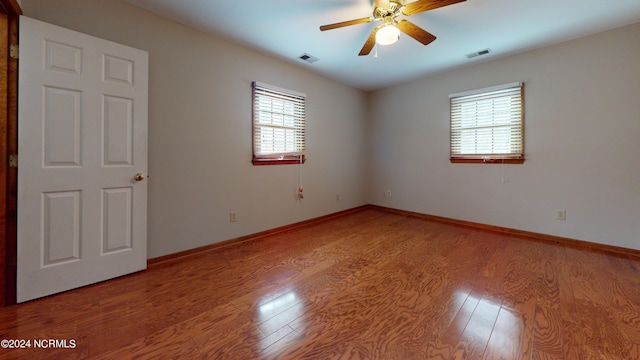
(479, 53)
(308, 58)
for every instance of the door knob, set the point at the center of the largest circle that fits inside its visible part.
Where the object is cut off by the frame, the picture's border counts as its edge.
(139, 177)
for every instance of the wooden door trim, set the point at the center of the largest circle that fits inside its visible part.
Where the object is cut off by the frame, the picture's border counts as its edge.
(10, 7)
(9, 13)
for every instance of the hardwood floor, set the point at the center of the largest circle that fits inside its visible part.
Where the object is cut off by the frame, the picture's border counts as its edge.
(369, 285)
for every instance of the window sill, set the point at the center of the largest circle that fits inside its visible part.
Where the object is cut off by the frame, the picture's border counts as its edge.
(286, 160)
(487, 161)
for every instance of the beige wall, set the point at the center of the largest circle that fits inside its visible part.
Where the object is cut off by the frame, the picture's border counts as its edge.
(200, 130)
(582, 131)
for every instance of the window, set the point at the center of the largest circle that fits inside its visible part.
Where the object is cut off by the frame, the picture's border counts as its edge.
(278, 125)
(487, 125)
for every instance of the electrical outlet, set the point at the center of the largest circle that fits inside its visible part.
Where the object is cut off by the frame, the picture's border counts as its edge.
(233, 216)
(387, 193)
(561, 214)
(337, 197)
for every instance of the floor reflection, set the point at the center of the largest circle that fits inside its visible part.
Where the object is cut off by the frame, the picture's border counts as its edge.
(487, 321)
(276, 318)
(278, 304)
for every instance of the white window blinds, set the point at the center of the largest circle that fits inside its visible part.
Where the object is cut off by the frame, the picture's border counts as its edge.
(487, 123)
(278, 122)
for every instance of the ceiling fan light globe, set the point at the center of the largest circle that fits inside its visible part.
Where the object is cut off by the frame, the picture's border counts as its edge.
(387, 35)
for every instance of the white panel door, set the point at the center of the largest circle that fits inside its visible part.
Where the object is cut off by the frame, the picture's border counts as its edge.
(82, 138)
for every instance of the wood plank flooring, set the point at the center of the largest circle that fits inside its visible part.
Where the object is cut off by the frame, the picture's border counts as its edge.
(368, 285)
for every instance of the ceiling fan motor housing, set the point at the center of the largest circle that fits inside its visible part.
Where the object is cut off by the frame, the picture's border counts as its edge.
(393, 10)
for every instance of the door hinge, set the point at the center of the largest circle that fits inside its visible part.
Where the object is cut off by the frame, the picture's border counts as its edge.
(13, 160)
(14, 51)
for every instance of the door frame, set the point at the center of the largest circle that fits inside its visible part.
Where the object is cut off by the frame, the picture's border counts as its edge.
(10, 12)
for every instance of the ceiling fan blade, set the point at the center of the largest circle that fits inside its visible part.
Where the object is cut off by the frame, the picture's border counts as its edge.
(371, 42)
(426, 5)
(346, 23)
(416, 32)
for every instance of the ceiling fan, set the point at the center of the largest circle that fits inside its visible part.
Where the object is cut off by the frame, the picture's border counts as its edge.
(388, 32)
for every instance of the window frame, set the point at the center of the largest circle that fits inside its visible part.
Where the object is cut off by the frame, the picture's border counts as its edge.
(297, 100)
(517, 112)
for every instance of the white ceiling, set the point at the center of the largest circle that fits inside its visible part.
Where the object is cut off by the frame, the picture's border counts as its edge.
(290, 28)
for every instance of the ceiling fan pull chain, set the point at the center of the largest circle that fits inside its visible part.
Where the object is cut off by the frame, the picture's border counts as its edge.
(375, 55)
